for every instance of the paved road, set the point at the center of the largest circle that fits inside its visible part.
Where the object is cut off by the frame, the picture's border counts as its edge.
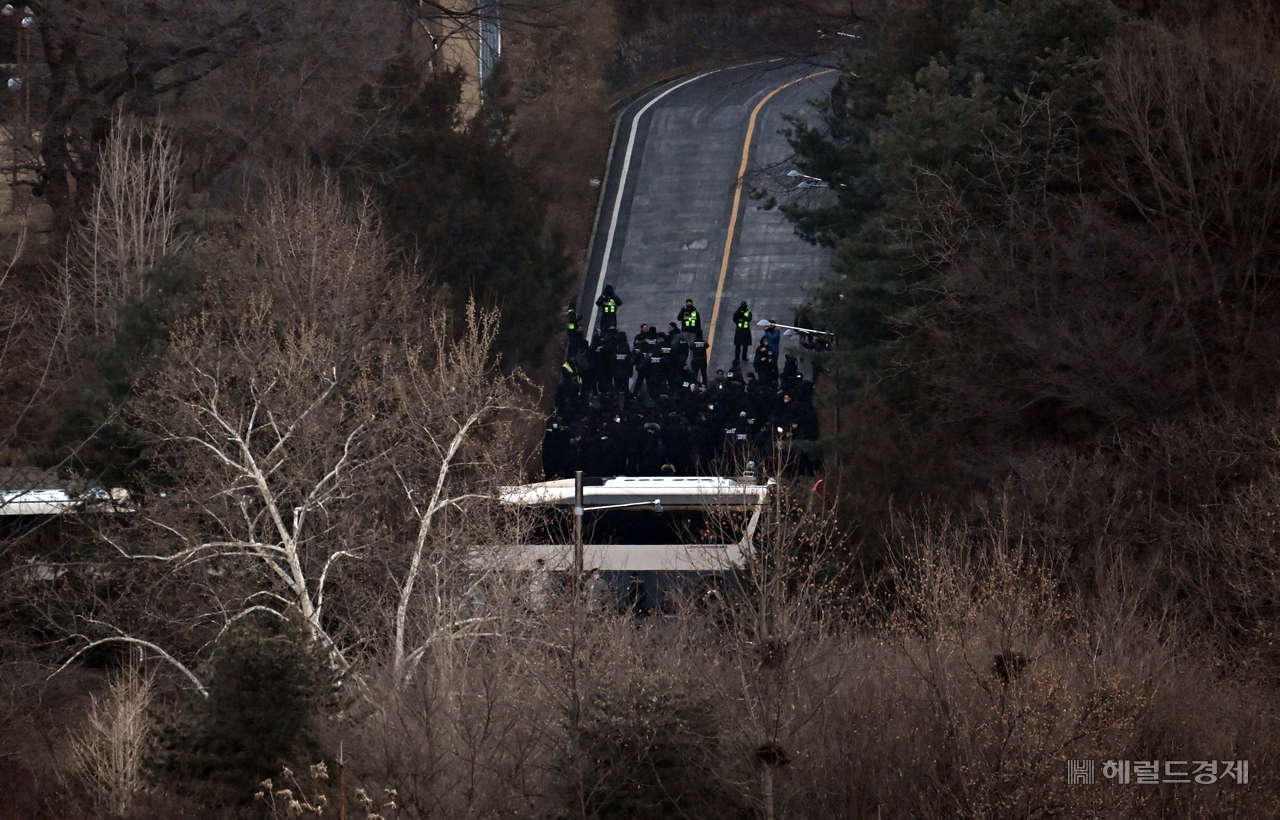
(665, 240)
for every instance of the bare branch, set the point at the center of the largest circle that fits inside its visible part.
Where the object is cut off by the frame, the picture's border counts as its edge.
(136, 642)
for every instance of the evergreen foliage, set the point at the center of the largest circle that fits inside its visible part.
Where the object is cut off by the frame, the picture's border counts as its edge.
(1054, 230)
(90, 423)
(650, 752)
(942, 87)
(266, 684)
(958, 115)
(454, 200)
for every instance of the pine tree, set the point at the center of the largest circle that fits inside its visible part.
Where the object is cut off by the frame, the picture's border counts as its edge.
(266, 684)
(456, 202)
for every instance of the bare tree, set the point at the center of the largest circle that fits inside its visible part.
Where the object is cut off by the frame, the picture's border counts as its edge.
(260, 424)
(31, 337)
(18, 329)
(978, 625)
(457, 412)
(130, 223)
(782, 639)
(313, 456)
(108, 755)
(232, 76)
(1197, 115)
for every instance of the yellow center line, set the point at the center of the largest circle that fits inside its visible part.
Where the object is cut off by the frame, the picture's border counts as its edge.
(737, 201)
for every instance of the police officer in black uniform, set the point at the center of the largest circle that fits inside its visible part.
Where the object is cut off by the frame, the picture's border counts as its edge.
(622, 363)
(698, 359)
(690, 321)
(570, 388)
(608, 304)
(555, 449)
(575, 342)
(741, 332)
(766, 366)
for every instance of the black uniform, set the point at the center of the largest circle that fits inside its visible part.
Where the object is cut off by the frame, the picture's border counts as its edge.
(675, 424)
(569, 388)
(621, 362)
(596, 375)
(790, 375)
(766, 366)
(677, 439)
(741, 332)
(667, 359)
(575, 342)
(690, 322)
(608, 304)
(680, 352)
(698, 359)
(555, 450)
(652, 453)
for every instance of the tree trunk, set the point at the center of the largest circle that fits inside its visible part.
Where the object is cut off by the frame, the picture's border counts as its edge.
(55, 153)
(766, 791)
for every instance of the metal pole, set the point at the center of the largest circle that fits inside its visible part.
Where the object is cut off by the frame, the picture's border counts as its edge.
(577, 529)
(342, 786)
(17, 101)
(835, 372)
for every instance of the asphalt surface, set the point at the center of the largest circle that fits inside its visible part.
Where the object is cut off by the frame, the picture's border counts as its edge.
(667, 239)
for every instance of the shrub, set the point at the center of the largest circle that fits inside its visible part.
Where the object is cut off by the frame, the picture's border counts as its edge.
(266, 684)
(649, 752)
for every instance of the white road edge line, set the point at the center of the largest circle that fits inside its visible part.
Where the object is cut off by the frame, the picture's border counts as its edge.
(622, 183)
(604, 188)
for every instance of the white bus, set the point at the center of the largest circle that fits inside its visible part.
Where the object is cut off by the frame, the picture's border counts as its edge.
(645, 538)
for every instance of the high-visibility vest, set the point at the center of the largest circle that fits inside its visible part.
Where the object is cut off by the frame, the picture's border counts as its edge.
(691, 320)
(745, 323)
(571, 318)
(568, 368)
(610, 305)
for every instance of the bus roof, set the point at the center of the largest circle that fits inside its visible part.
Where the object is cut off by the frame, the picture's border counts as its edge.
(61, 502)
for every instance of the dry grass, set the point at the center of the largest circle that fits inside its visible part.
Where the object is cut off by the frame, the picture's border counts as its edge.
(965, 698)
(962, 697)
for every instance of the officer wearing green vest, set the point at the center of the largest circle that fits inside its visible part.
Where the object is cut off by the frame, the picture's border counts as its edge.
(608, 304)
(741, 333)
(690, 321)
(575, 342)
(570, 386)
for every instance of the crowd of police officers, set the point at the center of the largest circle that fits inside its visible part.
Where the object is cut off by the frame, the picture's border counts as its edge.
(647, 407)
